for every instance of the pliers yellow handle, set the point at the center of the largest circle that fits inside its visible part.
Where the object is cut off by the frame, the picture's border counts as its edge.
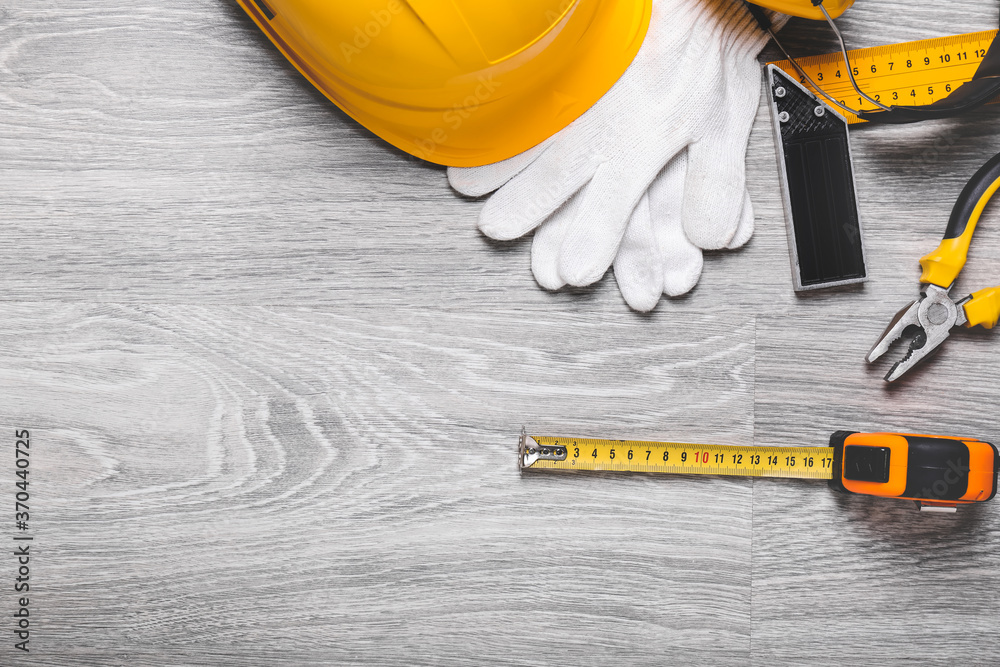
(942, 266)
(929, 320)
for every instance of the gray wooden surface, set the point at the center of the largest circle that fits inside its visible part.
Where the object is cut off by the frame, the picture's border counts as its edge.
(274, 378)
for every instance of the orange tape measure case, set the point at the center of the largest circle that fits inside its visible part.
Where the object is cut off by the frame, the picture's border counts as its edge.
(932, 470)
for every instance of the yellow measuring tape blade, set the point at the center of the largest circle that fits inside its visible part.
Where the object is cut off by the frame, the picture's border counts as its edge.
(909, 73)
(569, 454)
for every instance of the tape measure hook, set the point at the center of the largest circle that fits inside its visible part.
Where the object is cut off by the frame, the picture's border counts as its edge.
(530, 451)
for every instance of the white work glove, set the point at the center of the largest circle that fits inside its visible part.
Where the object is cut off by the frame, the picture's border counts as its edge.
(688, 99)
(655, 255)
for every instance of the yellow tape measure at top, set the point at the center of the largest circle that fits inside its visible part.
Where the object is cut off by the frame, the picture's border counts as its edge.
(567, 454)
(908, 73)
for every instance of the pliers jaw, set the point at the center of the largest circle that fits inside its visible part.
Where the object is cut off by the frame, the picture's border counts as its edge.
(927, 322)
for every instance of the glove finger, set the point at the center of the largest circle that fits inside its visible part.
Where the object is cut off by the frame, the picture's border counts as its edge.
(713, 194)
(716, 183)
(608, 201)
(637, 264)
(478, 181)
(745, 229)
(680, 260)
(534, 194)
(547, 242)
(666, 192)
(592, 241)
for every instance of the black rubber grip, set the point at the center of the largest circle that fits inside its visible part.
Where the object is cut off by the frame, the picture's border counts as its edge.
(936, 468)
(971, 196)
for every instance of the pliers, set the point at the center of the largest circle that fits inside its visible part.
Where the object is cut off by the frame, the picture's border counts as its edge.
(929, 320)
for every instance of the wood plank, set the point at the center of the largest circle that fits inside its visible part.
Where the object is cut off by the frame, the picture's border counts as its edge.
(261, 482)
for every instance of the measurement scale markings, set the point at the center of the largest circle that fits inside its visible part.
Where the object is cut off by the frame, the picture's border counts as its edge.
(925, 81)
(838, 60)
(900, 78)
(569, 454)
(907, 74)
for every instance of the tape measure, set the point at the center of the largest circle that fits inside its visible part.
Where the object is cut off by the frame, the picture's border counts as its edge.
(937, 472)
(910, 73)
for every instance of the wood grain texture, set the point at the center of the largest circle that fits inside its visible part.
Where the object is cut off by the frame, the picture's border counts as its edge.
(844, 579)
(277, 485)
(274, 378)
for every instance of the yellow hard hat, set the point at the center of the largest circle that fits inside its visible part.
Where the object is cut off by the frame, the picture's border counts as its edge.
(458, 82)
